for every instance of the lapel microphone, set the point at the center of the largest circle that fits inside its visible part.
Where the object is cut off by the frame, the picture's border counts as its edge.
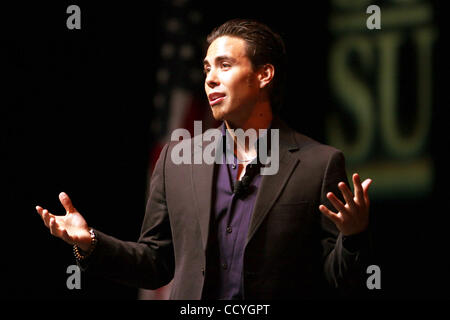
(242, 187)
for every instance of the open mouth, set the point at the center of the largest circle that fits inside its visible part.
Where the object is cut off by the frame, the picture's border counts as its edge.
(215, 98)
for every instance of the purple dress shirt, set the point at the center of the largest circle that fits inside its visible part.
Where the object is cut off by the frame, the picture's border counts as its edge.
(232, 215)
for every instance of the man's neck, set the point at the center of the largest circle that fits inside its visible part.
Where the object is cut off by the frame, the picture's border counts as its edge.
(261, 118)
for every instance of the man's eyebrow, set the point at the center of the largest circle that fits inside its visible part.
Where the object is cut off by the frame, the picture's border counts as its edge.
(219, 59)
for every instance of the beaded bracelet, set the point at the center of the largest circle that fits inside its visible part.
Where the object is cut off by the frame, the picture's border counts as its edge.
(77, 251)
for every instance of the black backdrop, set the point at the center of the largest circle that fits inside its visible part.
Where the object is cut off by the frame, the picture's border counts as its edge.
(75, 117)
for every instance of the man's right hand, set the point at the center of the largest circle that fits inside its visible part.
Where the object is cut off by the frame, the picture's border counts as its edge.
(71, 227)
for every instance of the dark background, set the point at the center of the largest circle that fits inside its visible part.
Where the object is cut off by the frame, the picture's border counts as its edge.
(75, 117)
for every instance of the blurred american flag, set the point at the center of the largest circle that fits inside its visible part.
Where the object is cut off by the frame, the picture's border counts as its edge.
(179, 94)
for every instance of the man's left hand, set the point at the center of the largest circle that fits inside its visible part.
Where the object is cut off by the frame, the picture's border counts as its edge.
(353, 216)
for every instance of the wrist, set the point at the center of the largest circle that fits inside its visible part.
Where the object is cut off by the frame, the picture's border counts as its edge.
(84, 248)
(355, 242)
(85, 241)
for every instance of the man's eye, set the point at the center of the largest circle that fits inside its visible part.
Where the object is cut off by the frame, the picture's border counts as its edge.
(226, 65)
(206, 70)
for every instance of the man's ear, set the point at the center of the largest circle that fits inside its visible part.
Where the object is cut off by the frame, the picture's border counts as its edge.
(265, 75)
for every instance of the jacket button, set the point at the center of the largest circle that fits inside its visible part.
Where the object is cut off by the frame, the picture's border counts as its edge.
(203, 271)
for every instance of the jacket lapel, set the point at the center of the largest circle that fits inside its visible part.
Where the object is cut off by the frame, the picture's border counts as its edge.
(202, 186)
(272, 185)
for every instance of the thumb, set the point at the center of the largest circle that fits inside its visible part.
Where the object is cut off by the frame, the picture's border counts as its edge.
(66, 202)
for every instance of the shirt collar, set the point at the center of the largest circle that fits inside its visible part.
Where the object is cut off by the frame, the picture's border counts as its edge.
(227, 146)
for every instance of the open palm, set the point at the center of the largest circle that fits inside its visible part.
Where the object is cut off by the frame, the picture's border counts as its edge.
(71, 227)
(353, 215)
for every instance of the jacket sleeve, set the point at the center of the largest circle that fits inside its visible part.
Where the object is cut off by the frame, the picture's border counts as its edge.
(148, 263)
(344, 261)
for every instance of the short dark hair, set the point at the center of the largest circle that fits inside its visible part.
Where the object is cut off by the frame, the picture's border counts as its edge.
(263, 46)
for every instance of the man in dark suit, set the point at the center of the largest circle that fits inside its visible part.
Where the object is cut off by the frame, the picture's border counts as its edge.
(224, 230)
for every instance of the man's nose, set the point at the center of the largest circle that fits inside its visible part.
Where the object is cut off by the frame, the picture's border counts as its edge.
(211, 79)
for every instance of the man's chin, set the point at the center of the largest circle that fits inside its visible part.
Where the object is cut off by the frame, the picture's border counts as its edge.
(217, 114)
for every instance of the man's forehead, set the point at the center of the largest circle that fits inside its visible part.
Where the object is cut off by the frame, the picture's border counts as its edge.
(226, 46)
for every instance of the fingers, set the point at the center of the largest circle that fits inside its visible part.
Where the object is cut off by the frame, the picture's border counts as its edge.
(55, 228)
(358, 188)
(51, 222)
(366, 184)
(45, 215)
(361, 197)
(361, 189)
(330, 214)
(39, 210)
(347, 193)
(336, 202)
(66, 202)
(52, 226)
(353, 215)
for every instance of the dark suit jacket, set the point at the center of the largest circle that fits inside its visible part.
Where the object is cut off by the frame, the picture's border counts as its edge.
(292, 250)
